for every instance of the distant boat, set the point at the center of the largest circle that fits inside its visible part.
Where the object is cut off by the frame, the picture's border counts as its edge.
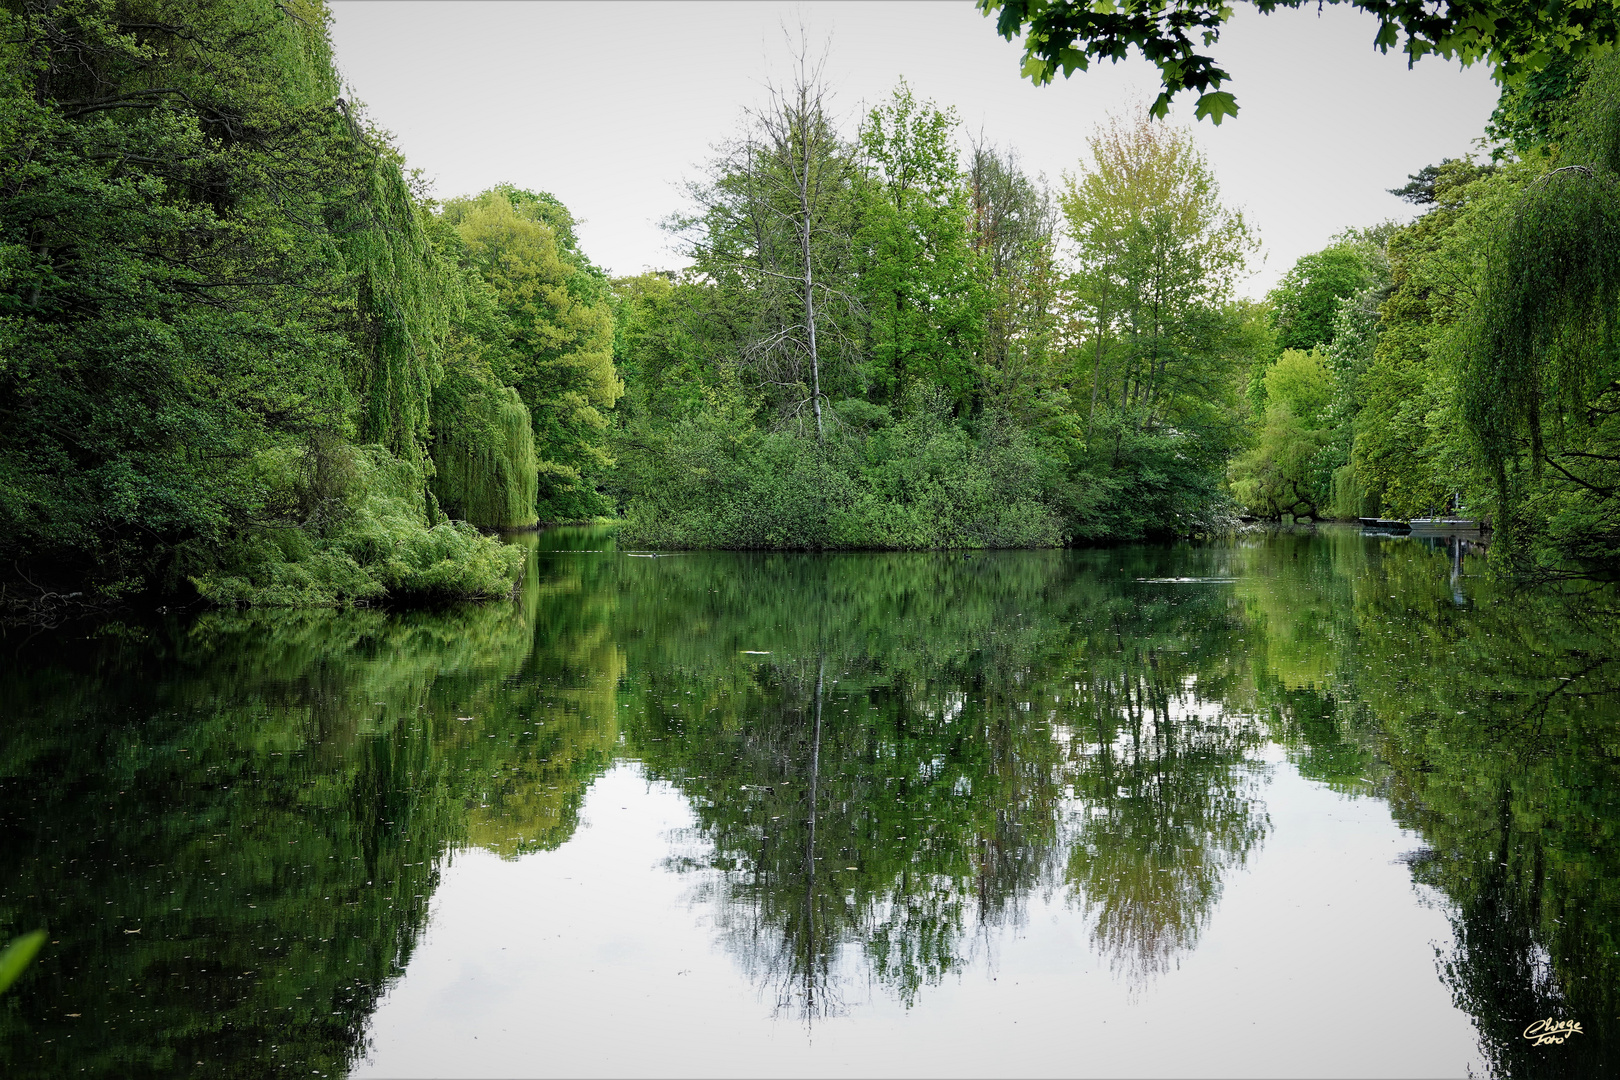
(1443, 526)
(1384, 524)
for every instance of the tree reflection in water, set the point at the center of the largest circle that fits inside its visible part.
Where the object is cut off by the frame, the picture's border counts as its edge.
(837, 823)
(232, 825)
(895, 792)
(1492, 728)
(1168, 807)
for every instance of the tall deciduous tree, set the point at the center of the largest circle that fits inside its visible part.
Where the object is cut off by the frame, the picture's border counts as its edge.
(557, 320)
(1013, 228)
(1157, 256)
(1155, 251)
(924, 304)
(1411, 448)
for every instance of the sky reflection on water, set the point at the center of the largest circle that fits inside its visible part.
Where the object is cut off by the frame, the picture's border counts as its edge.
(595, 960)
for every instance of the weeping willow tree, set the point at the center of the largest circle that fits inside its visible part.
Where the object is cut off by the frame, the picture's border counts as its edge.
(407, 298)
(488, 473)
(1541, 386)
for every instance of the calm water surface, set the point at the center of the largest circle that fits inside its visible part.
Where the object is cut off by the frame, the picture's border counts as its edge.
(1305, 805)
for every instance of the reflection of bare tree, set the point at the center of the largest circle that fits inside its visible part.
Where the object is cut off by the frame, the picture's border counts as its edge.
(865, 823)
(816, 958)
(1170, 804)
(782, 918)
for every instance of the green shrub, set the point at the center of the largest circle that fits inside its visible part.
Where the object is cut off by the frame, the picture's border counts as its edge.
(383, 547)
(918, 482)
(1276, 477)
(1133, 481)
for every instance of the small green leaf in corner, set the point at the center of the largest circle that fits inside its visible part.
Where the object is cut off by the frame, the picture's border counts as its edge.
(1037, 70)
(1216, 105)
(16, 957)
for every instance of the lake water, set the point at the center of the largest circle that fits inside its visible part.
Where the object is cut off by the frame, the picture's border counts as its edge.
(1290, 805)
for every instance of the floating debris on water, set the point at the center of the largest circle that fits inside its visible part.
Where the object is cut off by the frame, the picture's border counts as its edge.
(1189, 580)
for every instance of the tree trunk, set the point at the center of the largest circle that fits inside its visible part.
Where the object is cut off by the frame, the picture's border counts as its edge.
(810, 295)
(810, 957)
(1096, 372)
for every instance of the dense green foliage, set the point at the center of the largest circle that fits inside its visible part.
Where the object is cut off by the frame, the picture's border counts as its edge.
(872, 331)
(238, 356)
(1540, 364)
(1280, 474)
(1471, 353)
(931, 373)
(924, 305)
(1470, 356)
(484, 449)
(1306, 302)
(550, 336)
(918, 481)
(1157, 362)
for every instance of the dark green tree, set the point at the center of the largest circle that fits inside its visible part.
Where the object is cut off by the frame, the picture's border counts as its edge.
(923, 301)
(220, 316)
(1013, 225)
(1305, 303)
(1541, 369)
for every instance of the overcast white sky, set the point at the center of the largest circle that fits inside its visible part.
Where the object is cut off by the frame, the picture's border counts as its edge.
(610, 105)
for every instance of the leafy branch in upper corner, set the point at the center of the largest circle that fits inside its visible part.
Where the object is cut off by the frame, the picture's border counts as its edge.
(1518, 37)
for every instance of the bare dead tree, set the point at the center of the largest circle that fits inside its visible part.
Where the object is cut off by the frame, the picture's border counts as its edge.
(776, 217)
